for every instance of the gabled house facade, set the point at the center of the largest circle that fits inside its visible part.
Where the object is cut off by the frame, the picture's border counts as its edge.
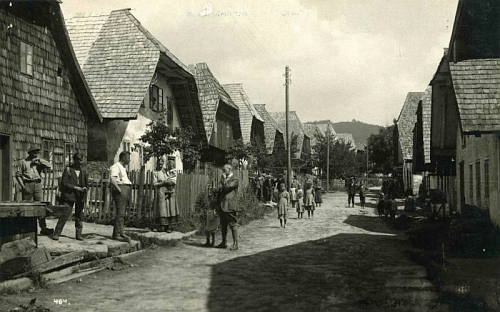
(220, 115)
(44, 98)
(251, 123)
(323, 127)
(274, 135)
(134, 79)
(295, 128)
(403, 131)
(347, 138)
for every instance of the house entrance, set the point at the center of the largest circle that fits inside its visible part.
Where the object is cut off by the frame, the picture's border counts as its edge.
(5, 181)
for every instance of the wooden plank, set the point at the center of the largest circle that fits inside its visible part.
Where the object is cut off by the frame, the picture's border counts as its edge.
(61, 261)
(140, 191)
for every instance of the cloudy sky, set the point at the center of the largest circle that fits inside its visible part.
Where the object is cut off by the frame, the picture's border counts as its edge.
(349, 59)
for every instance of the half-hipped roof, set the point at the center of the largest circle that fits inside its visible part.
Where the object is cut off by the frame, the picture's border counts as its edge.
(270, 127)
(211, 94)
(247, 110)
(406, 123)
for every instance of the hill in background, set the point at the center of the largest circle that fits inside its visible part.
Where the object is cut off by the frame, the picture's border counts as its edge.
(360, 130)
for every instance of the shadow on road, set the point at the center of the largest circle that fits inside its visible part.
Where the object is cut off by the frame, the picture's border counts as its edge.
(369, 223)
(321, 275)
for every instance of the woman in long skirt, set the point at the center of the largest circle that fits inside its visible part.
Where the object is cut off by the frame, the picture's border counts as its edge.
(164, 179)
(284, 199)
(318, 190)
(309, 198)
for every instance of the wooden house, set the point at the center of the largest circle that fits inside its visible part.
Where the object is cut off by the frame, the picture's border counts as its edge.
(474, 71)
(274, 135)
(296, 128)
(44, 98)
(322, 127)
(134, 79)
(347, 138)
(220, 115)
(403, 131)
(251, 123)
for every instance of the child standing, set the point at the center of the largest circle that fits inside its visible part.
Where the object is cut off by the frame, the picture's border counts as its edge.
(309, 198)
(212, 222)
(300, 203)
(284, 199)
(362, 194)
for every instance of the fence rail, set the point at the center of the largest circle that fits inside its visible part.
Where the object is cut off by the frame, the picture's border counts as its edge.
(99, 206)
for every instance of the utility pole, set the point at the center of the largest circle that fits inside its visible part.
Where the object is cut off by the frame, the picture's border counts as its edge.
(366, 182)
(287, 110)
(328, 156)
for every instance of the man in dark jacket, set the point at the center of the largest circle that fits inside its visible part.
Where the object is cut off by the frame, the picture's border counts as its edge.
(228, 209)
(73, 189)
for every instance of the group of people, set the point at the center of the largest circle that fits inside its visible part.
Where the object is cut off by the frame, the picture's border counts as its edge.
(353, 187)
(301, 199)
(73, 187)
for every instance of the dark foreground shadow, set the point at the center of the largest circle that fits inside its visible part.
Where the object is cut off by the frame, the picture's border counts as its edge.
(330, 274)
(372, 224)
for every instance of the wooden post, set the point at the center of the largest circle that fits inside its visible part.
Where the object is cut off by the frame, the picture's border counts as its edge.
(140, 192)
(287, 110)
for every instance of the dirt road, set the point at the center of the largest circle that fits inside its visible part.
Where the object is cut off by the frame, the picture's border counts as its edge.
(342, 260)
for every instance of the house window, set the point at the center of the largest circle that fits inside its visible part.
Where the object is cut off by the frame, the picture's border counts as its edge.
(156, 99)
(228, 130)
(486, 178)
(26, 59)
(69, 150)
(478, 184)
(170, 112)
(471, 184)
(464, 140)
(48, 150)
(126, 146)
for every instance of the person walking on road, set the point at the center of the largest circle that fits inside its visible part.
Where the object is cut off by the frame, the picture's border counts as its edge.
(122, 187)
(300, 202)
(362, 194)
(74, 183)
(351, 192)
(228, 211)
(284, 199)
(30, 181)
(318, 189)
(309, 198)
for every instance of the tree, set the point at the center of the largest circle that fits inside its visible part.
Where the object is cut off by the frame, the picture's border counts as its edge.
(160, 140)
(381, 150)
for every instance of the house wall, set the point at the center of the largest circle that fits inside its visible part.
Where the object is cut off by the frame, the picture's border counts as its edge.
(38, 106)
(479, 149)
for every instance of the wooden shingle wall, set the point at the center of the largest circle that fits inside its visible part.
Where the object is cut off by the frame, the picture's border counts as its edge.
(42, 105)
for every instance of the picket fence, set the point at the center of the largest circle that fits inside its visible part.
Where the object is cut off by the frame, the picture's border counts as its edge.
(99, 205)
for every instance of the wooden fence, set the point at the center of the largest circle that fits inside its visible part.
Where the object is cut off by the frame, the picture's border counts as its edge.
(99, 206)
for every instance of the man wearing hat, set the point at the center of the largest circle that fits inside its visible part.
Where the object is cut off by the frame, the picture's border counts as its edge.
(73, 189)
(29, 179)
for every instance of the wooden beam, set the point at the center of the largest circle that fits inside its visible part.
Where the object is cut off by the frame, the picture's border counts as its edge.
(191, 109)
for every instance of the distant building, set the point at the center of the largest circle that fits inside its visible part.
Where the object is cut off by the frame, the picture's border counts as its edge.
(347, 138)
(274, 135)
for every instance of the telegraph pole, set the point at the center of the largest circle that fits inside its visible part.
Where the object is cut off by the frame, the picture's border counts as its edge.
(288, 150)
(328, 156)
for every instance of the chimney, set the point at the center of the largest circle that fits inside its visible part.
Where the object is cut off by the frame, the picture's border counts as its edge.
(445, 51)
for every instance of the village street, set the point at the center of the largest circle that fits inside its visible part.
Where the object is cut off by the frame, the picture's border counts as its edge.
(342, 260)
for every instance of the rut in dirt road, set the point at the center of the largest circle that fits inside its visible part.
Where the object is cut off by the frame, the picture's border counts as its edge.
(342, 260)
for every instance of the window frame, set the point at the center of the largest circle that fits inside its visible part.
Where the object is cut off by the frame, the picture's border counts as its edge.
(68, 155)
(486, 166)
(156, 103)
(478, 183)
(26, 59)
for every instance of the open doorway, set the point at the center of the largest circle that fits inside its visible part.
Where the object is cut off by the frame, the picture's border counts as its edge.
(5, 168)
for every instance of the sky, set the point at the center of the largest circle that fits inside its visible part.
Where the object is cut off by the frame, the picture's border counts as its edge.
(349, 59)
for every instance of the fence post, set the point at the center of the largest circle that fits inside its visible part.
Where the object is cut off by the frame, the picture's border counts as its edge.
(140, 191)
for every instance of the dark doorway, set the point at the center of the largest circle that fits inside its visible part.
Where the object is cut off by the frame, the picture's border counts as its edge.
(5, 181)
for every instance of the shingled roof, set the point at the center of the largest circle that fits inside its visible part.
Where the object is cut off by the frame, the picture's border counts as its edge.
(312, 129)
(270, 127)
(296, 128)
(477, 91)
(426, 123)
(322, 126)
(347, 138)
(406, 123)
(247, 110)
(210, 95)
(119, 58)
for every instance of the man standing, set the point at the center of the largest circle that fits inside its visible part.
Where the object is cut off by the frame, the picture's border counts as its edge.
(351, 190)
(29, 179)
(229, 206)
(73, 188)
(120, 193)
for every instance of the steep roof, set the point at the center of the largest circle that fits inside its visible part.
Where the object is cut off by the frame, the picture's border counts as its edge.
(295, 125)
(48, 13)
(426, 123)
(247, 110)
(119, 58)
(210, 94)
(270, 127)
(322, 126)
(347, 138)
(406, 123)
(311, 129)
(477, 91)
